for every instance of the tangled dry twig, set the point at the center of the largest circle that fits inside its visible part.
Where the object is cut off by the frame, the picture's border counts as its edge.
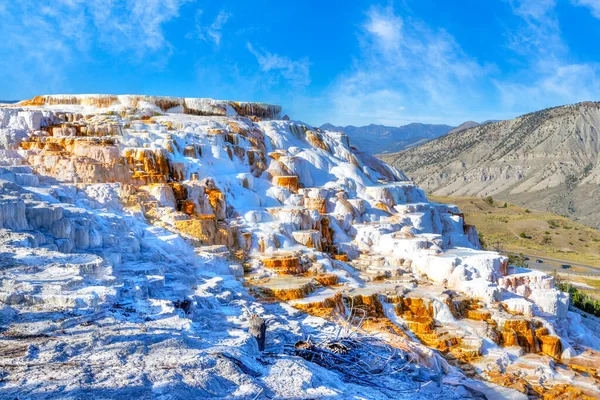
(357, 355)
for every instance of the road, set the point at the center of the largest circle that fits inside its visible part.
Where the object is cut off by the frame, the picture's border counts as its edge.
(551, 264)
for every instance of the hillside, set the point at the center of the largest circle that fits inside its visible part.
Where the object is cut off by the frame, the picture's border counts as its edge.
(549, 235)
(464, 126)
(546, 160)
(386, 139)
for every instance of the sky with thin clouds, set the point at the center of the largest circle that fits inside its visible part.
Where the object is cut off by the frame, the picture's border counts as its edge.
(343, 62)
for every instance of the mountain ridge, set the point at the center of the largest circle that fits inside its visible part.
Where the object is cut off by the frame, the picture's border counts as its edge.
(377, 138)
(546, 160)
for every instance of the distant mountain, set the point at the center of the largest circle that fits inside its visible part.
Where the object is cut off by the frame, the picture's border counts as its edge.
(376, 139)
(471, 124)
(546, 160)
(464, 126)
(9, 101)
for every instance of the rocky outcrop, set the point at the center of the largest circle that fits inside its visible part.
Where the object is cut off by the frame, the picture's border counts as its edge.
(194, 106)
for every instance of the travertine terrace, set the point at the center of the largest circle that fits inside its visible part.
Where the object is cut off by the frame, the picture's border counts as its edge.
(140, 233)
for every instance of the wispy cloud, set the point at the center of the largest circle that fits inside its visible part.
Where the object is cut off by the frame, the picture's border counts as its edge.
(41, 40)
(593, 5)
(133, 25)
(539, 33)
(212, 32)
(550, 76)
(276, 67)
(407, 71)
(404, 67)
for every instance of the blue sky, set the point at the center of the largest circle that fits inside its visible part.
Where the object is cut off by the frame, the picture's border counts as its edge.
(345, 62)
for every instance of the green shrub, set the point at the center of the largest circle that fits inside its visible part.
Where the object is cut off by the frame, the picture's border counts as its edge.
(581, 300)
(517, 260)
(481, 240)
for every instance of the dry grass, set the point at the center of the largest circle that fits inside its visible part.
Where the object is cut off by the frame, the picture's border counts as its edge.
(550, 235)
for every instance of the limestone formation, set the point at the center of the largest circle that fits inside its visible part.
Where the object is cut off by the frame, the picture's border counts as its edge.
(164, 215)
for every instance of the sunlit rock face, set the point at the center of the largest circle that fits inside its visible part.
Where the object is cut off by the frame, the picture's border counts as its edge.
(194, 106)
(164, 214)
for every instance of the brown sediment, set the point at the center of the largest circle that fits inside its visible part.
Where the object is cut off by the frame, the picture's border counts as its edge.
(203, 228)
(327, 236)
(101, 101)
(310, 238)
(149, 165)
(467, 349)
(293, 292)
(419, 325)
(216, 198)
(351, 158)
(511, 381)
(187, 206)
(192, 151)
(257, 161)
(565, 391)
(277, 154)
(327, 307)
(315, 140)
(520, 332)
(284, 264)
(326, 279)
(289, 182)
(319, 205)
(369, 304)
(413, 306)
(341, 257)
(478, 315)
(237, 128)
(383, 207)
(551, 346)
(208, 231)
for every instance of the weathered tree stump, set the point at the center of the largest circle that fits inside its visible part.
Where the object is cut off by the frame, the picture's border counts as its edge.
(258, 329)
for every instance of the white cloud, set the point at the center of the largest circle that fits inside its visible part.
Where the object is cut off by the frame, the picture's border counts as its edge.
(42, 41)
(539, 33)
(551, 77)
(275, 67)
(563, 84)
(535, 9)
(386, 30)
(593, 5)
(213, 32)
(133, 25)
(404, 68)
(407, 71)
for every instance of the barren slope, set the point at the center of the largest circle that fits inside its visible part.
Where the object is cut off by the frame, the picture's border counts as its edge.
(546, 160)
